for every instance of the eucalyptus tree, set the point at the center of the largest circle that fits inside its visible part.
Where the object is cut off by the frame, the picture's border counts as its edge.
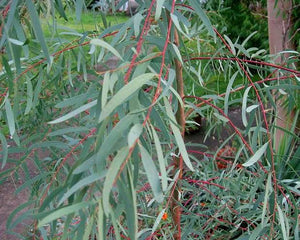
(109, 108)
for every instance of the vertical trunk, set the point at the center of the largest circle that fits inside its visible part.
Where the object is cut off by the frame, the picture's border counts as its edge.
(279, 22)
(178, 161)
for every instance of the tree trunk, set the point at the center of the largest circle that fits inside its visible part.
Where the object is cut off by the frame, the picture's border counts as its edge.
(279, 23)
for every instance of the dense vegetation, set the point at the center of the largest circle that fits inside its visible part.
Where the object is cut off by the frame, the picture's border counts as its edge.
(109, 107)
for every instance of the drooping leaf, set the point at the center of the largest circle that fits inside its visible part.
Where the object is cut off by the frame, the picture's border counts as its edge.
(74, 112)
(159, 5)
(124, 93)
(244, 106)
(10, 118)
(177, 135)
(256, 156)
(63, 212)
(38, 28)
(161, 161)
(83, 182)
(152, 174)
(134, 134)
(196, 6)
(103, 44)
(4, 149)
(111, 175)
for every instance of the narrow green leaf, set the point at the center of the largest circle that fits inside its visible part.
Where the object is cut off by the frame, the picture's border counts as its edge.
(152, 174)
(251, 108)
(124, 93)
(103, 44)
(10, 118)
(29, 96)
(111, 175)
(161, 160)
(282, 224)
(256, 156)
(100, 222)
(105, 88)
(266, 199)
(114, 137)
(228, 90)
(177, 52)
(74, 113)
(222, 118)
(88, 228)
(63, 212)
(196, 6)
(244, 106)
(230, 44)
(137, 23)
(37, 28)
(134, 134)
(82, 183)
(176, 22)
(78, 9)
(16, 42)
(177, 135)
(159, 7)
(157, 220)
(4, 152)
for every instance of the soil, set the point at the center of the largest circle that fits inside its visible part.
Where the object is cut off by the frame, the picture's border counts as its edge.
(9, 200)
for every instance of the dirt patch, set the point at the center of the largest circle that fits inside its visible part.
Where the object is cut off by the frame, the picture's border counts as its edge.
(9, 201)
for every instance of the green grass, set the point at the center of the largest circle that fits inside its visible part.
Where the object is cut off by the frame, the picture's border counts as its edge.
(91, 21)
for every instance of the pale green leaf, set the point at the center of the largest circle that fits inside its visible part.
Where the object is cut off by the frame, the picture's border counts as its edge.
(10, 118)
(158, 220)
(161, 161)
(111, 175)
(29, 97)
(251, 108)
(282, 224)
(137, 23)
(152, 174)
(220, 117)
(74, 113)
(4, 152)
(228, 90)
(177, 52)
(36, 24)
(256, 156)
(196, 6)
(124, 93)
(63, 212)
(244, 106)
(177, 135)
(159, 7)
(232, 48)
(16, 42)
(103, 44)
(105, 88)
(134, 134)
(82, 183)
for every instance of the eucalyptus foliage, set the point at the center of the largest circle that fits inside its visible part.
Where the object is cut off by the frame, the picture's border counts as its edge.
(102, 105)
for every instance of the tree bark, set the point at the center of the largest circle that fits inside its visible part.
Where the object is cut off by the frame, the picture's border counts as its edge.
(279, 23)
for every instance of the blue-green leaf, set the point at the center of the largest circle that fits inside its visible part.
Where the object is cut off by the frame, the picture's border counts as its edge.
(256, 156)
(152, 174)
(63, 212)
(111, 175)
(74, 113)
(124, 93)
